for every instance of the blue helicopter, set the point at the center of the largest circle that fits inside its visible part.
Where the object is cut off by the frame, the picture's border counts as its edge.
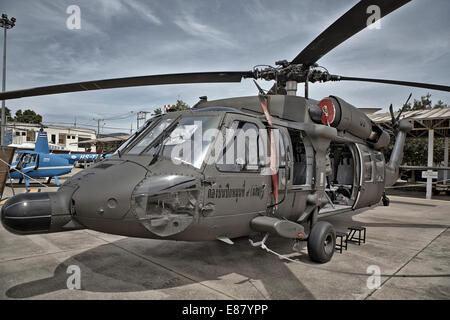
(40, 163)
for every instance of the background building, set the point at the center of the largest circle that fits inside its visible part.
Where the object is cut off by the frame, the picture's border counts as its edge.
(59, 137)
(106, 143)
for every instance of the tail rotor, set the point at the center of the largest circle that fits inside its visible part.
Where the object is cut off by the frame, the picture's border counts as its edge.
(396, 119)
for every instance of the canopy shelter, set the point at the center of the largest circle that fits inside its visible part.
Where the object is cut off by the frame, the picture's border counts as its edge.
(431, 122)
(119, 139)
(107, 143)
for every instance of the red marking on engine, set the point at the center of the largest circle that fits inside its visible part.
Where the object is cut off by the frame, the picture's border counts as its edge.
(328, 111)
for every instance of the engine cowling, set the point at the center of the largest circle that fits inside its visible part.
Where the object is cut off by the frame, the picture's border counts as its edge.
(339, 114)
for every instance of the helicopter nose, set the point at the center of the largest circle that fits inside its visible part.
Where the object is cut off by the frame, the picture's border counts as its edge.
(45, 212)
(27, 213)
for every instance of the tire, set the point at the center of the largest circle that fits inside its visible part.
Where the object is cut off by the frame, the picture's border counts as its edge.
(322, 242)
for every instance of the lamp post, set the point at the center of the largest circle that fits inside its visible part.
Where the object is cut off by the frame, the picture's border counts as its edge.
(6, 24)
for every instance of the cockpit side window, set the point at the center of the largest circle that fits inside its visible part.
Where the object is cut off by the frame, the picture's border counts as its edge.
(241, 150)
(25, 159)
(29, 158)
(20, 163)
(189, 140)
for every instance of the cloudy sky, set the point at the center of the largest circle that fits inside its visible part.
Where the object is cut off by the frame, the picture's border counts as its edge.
(121, 38)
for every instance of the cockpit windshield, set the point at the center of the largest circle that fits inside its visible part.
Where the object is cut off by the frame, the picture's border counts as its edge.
(133, 137)
(150, 136)
(183, 139)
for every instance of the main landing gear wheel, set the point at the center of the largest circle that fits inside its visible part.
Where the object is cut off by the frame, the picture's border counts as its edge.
(321, 242)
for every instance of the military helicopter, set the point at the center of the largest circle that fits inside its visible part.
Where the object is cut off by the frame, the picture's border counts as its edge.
(328, 160)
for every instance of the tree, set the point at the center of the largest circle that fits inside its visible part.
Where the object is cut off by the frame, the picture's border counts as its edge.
(440, 104)
(424, 103)
(157, 111)
(28, 116)
(9, 118)
(180, 105)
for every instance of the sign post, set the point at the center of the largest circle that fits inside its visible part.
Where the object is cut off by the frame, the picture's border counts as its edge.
(429, 174)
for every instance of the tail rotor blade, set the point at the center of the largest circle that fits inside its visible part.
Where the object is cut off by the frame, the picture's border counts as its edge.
(407, 100)
(404, 107)
(399, 114)
(391, 110)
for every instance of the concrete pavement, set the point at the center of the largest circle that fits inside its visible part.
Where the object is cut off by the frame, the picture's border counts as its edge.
(409, 242)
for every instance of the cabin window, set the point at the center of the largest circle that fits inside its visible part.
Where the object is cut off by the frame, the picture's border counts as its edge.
(367, 159)
(342, 167)
(299, 154)
(340, 175)
(32, 159)
(242, 147)
(379, 166)
(283, 160)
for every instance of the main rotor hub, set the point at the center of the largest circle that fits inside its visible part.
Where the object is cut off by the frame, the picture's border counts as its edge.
(286, 72)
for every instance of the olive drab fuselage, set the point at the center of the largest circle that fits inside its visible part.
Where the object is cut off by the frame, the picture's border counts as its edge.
(322, 170)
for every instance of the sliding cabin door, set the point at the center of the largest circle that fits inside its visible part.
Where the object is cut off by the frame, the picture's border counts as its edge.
(371, 183)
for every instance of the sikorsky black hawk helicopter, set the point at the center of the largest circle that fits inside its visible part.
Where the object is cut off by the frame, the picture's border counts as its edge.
(311, 159)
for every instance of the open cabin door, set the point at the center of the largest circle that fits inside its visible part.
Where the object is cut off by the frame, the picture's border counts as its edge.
(371, 183)
(295, 171)
(342, 176)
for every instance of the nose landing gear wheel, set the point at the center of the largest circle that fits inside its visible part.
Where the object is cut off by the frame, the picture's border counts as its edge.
(321, 242)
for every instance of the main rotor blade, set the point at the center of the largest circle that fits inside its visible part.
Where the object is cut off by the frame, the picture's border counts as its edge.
(345, 27)
(152, 80)
(397, 82)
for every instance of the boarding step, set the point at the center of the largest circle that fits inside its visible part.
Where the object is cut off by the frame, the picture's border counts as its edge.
(341, 241)
(357, 234)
